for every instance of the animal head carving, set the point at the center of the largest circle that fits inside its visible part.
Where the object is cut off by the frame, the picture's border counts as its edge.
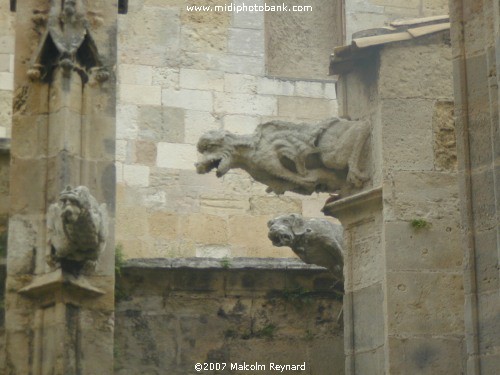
(325, 157)
(217, 149)
(315, 241)
(74, 201)
(284, 229)
(77, 229)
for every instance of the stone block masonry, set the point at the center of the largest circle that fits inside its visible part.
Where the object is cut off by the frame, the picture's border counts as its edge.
(201, 71)
(404, 309)
(172, 314)
(6, 68)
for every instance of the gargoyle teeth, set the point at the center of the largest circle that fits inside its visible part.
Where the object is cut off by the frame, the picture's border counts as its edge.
(207, 165)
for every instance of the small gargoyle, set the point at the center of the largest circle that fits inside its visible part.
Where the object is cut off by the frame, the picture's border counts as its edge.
(77, 230)
(315, 241)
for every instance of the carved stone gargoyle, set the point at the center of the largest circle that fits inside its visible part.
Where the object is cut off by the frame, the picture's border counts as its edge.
(67, 43)
(315, 241)
(77, 230)
(302, 158)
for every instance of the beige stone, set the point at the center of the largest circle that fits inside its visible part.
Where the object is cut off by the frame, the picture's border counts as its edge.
(445, 143)
(224, 204)
(145, 153)
(288, 34)
(201, 80)
(163, 224)
(203, 228)
(407, 134)
(430, 195)
(425, 73)
(197, 123)
(175, 155)
(155, 27)
(245, 104)
(251, 231)
(135, 74)
(274, 205)
(199, 100)
(136, 175)
(241, 83)
(140, 94)
(425, 303)
(306, 108)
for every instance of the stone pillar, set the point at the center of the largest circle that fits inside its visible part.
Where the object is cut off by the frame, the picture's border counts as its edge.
(403, 305)
(475, 37)
(59, 317)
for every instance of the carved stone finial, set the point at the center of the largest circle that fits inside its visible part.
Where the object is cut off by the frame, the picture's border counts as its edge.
(315, 241)
(302, 158)
(77, 230)
(67, 43)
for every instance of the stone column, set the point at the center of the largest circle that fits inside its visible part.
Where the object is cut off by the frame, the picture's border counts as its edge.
(59, 316)
(475, 37)
(403, 306)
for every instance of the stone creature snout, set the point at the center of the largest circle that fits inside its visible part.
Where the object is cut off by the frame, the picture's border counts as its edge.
(315, 241)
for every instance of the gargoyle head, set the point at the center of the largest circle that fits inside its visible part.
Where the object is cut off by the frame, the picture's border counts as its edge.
(284, 229)
(216, 148)
(74, 201)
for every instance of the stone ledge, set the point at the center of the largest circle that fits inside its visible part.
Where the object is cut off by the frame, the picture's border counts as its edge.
(222, 263)
(352, 202)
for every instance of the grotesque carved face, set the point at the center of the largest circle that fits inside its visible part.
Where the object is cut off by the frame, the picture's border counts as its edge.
(281, 230)
(69, 7)
(73, 202)
(216, 152)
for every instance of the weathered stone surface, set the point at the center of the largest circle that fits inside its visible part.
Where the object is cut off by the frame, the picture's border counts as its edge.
(158, 28)
(306, 108)
(290, 157)
(204, 228)
(425, 303)
(175, 155)
(160, 124)
(315, 241)
(216, 313)
(426, 355)
(201, 79)
(288, 35)
(245, 104)
(251, 231)
(429, 195)
(422, 63)
(271, 205)
(366, 253)
(422, 249)
(77, 228)
(407, 134)
(368, 318)
(369, 362)
(198, 100)
(445, 145)
(140, 94)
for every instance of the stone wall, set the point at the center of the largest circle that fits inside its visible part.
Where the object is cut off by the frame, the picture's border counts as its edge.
(476, 71)
(369, 14)
(4, 194)
(6, 67)
(403, 269)
(180, 74)
(171, 315)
